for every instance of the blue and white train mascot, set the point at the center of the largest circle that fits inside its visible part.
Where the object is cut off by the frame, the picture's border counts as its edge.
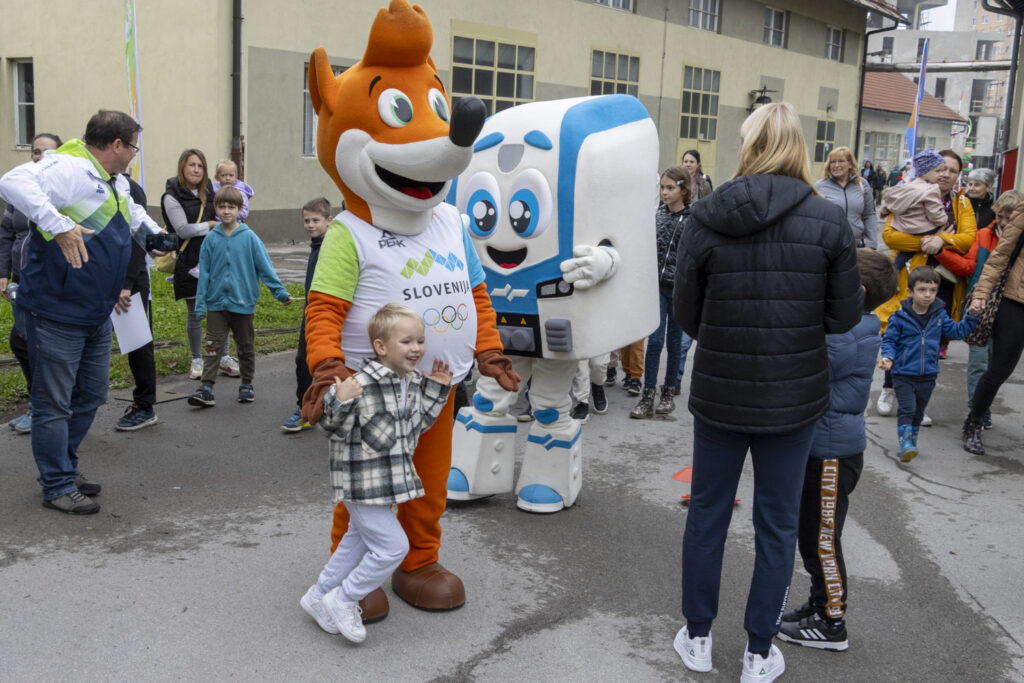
(559, 198)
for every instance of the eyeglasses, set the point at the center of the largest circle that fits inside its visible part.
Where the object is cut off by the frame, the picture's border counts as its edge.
(130, 145)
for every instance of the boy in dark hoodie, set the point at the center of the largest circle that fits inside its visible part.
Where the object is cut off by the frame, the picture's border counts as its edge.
(834, 467)
(910, 349)
(316, 217)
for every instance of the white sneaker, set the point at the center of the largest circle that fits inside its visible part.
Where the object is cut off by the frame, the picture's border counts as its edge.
(926, 421)
(758, 669)
(695, 652)
(315, 608)
(886, 402)
(347, 615)
(229, 366)
(196, 371)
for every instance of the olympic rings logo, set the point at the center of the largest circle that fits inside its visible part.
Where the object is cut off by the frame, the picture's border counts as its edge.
(447, 318)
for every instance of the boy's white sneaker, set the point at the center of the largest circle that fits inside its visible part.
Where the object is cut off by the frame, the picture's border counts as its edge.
(886, 402)
(695, 652)
(758, 669)
(315, 608)
(347, 615)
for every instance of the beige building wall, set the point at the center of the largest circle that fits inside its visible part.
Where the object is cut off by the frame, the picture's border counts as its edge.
(185, 71)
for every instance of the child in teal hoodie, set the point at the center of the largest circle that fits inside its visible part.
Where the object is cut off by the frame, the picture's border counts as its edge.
(232, 262)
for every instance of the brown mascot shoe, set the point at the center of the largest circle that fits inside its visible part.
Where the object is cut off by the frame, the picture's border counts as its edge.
(431, 587)
(375, 606)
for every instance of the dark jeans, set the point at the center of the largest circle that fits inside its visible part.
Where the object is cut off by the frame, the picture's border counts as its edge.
(303, 379)
(823, 506)
(779, 461)
(218, 323)
(1007, 344)
(70, 376)
(19, 346)
(678, 345)
(912, 393)
(143, 367)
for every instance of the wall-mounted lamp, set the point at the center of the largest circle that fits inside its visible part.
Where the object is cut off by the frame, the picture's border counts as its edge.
(762, 98)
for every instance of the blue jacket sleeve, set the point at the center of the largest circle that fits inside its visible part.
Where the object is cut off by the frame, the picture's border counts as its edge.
(958, 330)
(265, 269)
(891, 338)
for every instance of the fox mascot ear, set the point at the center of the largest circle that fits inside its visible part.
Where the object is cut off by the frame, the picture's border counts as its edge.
(322, 85)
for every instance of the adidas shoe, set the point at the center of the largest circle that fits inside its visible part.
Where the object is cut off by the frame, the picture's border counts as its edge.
(813, 631)
(758, 669)
(802, 612)
(695, 652)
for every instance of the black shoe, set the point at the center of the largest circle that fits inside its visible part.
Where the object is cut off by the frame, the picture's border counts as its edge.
(972, 436)
(802, 612)
(666, 404)
(203, 398)
(645, 408)
(609, 377)
(813, 631)
(581, 412)
(598, 399)
(632, 386)
(73, 503)
(986, 420)
(246, 394)
(87, 487)
(677, 389)
(135, 418)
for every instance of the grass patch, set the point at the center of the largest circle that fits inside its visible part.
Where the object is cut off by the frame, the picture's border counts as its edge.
(277, 329)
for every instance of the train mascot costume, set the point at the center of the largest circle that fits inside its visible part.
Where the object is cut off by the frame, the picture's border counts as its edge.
(388, 137)
(559, 198)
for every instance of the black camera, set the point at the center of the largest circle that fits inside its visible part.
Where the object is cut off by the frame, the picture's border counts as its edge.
(163, 241)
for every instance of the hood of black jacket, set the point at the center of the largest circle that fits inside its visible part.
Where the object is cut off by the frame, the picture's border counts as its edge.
(749, 204)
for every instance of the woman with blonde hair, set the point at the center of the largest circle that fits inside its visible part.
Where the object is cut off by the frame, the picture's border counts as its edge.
(841, 185)
(765, 269)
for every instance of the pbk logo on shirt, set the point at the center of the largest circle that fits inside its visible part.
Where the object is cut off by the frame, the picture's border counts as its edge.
(99, 188)
(388, 239)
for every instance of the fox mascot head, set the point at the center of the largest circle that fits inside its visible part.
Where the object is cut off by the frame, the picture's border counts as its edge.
(386, 133)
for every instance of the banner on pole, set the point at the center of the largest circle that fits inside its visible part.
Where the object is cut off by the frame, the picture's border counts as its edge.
(131, 54)
(915, 112)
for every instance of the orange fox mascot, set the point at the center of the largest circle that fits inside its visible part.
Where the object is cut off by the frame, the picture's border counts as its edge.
(389, 139)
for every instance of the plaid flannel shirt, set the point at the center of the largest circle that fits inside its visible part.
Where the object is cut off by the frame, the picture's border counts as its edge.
(372, 440)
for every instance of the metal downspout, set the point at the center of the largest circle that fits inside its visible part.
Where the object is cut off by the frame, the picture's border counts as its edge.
(236, 86)
(863, 74)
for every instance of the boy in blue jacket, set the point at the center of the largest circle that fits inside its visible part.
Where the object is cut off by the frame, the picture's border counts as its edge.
(835, 464)
(232, 262)
(910, 349)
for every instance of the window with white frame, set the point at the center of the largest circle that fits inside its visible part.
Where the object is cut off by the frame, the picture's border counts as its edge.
(626, 5)
(309, 117)
(834, 43)
(614, 73)
(824, 140)
(499, 73)
(24, 103)
(774, 27)
(698, 117)
(984, 18)
(704, 15)
(883, 148)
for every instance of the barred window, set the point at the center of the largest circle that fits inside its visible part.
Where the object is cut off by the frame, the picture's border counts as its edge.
(834, 43)
(824, 140)
(698, 118)
(614, 73)
(500, 74)
(774, 27)
(704, 14)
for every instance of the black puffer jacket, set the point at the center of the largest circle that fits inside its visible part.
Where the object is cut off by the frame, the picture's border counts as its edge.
(188, 254)
(765, 269)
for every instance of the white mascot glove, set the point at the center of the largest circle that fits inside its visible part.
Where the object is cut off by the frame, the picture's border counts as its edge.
(591, 265)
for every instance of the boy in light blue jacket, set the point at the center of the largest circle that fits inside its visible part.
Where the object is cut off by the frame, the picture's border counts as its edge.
(232, 262)
(910, 350)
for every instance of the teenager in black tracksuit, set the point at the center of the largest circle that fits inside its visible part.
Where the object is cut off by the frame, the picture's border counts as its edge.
(765, 269)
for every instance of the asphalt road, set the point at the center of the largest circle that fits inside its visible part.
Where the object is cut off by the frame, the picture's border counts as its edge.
(214, 523)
